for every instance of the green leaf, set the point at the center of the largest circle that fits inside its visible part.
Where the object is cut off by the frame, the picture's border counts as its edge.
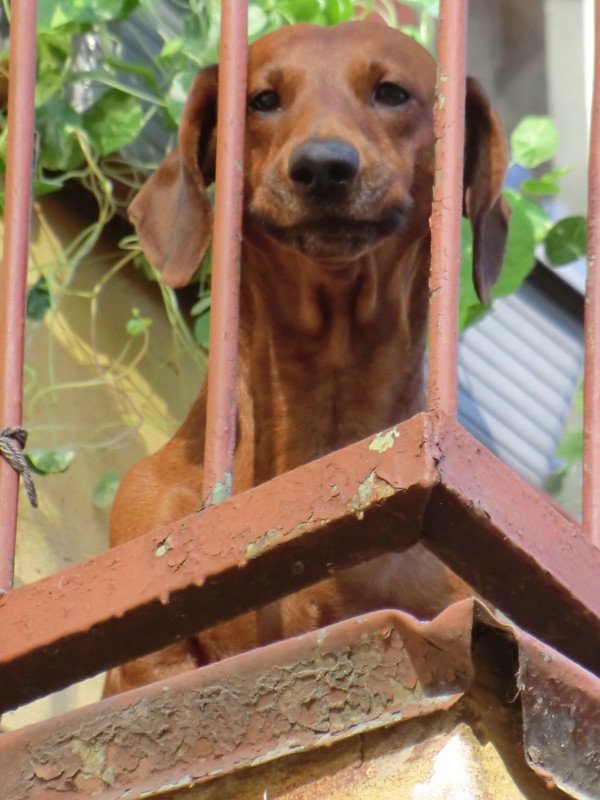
(431, 7)
(567, 240)
(58, 124)
(546, 184)
(43, 186)
(53, 14)
(114, 121)
(178, 92)
(537, 216)
(105, 489)
(50, 83)
(38, 300)
(540, 187)
(339, 11)
(169, 49)
(137, 325)
(578, 400)
(54, 53)
(46, 461)
(519, 259)
(571, 446)
(518, 262)
(556, 173)
(143, 266)
(202, 329)
(555, 481)
(140, 70)
(534, 141)
(301, 10)
(257, 21)
(201, 306)
(414, 33)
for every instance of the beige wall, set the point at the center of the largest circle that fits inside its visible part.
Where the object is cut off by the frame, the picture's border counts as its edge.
(111, 416)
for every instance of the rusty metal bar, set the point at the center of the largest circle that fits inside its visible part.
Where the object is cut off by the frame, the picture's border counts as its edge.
(447, 207)
(375, 496)
(369, 672)
(196, 572)
(222, 367)
(256, 708)
(13, 274)
(513, 546)
(591, 385)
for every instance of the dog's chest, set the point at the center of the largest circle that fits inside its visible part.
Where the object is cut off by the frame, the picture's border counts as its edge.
(333, 399)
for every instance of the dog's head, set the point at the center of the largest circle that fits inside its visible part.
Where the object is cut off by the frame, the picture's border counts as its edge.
(339, 154)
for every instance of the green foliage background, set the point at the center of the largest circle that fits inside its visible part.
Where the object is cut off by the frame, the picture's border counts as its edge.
(87, 146)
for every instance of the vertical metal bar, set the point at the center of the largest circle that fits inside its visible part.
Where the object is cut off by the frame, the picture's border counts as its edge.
(591, 385)
(222, 368)
(13, 275)
(447, 207)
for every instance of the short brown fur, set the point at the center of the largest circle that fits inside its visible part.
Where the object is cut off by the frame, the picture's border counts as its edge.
(334, 297)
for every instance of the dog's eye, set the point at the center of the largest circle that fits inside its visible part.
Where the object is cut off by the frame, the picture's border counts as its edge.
(391, 94)
(264, 101)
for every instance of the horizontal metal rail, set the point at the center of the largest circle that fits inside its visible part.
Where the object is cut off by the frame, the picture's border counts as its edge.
(424, 477)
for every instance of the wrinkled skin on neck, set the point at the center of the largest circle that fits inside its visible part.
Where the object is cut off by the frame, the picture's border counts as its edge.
(340, 352)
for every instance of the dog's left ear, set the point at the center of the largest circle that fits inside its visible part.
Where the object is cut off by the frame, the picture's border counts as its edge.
(486, 161)
(172, 212)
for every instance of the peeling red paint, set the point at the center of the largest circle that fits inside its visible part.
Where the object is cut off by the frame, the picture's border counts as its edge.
(302, 693)
(436, 479)
(447, 208)
(222, 363)
(213, 565)
(308, 692)
(515, 547)
(15, 249)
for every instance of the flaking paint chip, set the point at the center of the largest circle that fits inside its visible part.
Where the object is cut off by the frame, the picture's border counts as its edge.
(383, 441)
(163, 548)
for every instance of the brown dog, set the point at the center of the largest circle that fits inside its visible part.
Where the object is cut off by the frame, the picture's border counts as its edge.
(339, 169)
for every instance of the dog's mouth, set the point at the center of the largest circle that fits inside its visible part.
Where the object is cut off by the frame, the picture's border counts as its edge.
(335, 238)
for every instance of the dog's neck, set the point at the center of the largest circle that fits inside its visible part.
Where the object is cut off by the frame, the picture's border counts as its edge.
(333, 355)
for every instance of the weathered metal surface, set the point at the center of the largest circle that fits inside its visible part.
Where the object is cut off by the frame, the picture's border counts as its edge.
(13, 274)
(435, 757)
(325, 687)
(447, 207)
(210, 566)
(222, 364)
(499, 534)
(561, 718)
(292, 696)
(515, 548)
(591, 393)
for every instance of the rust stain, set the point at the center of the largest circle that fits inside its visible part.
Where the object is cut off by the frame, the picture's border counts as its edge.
(289, 697)
(176, 580)
(304, 693)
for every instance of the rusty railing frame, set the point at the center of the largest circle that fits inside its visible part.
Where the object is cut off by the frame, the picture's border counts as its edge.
(447, 207)
(13, 274)
(225, 290)
(52, 636)
(591, 386)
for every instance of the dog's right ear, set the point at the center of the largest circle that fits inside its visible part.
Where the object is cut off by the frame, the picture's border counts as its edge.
(172, 212)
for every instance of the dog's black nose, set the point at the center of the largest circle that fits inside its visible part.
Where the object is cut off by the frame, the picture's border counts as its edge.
(320, 166)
